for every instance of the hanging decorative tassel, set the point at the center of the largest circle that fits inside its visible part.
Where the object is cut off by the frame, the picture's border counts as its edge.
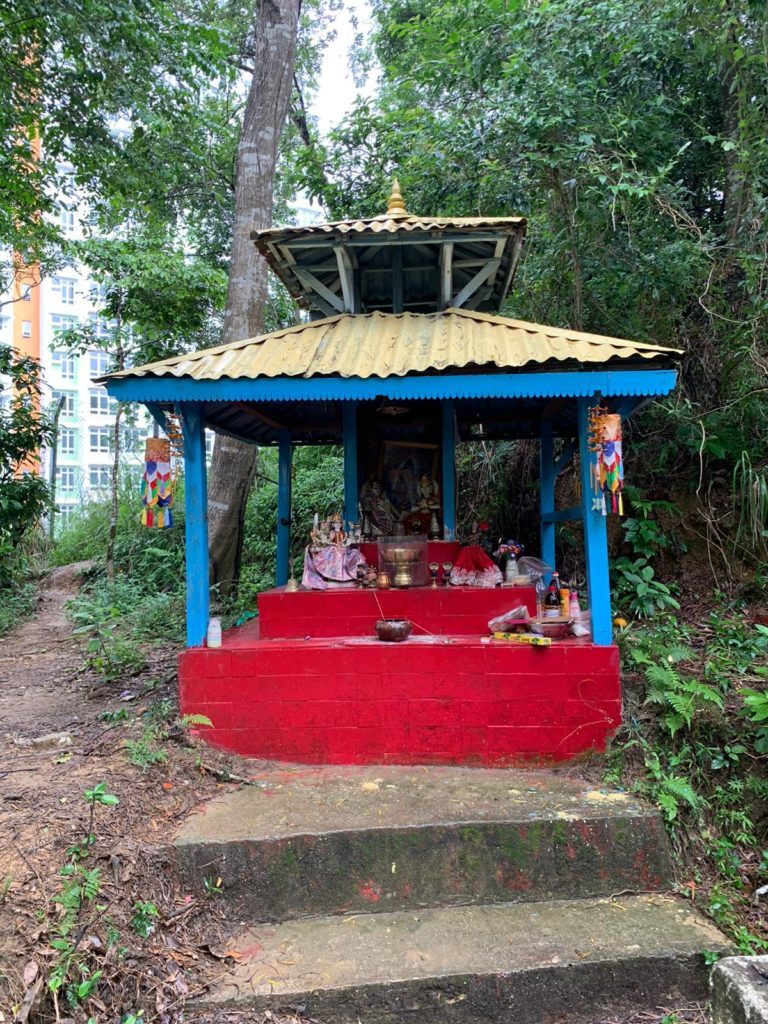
(157, 484)
(610, 462)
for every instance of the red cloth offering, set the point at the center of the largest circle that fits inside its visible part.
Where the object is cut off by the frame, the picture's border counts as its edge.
(474, 568)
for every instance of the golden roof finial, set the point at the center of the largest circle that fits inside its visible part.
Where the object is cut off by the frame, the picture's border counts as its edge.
(395, 203)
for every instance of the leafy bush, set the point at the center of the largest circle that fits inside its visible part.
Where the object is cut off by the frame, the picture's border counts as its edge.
(694, 743)
(638, 590)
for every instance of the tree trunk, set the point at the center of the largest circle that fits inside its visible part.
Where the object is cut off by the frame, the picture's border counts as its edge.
(234, 463)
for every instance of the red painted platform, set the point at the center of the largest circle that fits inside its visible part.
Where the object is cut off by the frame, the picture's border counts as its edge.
(346, 612)
(448, 699)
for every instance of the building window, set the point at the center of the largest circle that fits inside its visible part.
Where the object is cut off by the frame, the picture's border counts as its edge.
(97, 294)
(100, 439)
(64, 287)
(66, 219)
(66, 478)
(101, 328)
(61, 322)
(99, 477)
(64, 363)
(133, 439)
(98, 363)
(101, 403)
(69, 409)
(65, 512)
(26, 328)
(26, 292)
(67, 439)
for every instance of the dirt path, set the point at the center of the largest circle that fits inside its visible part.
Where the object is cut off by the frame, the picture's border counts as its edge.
(62, 731)
(39, 664)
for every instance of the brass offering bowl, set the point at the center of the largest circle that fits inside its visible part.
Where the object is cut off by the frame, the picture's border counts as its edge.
(403, 559)
(393, 630)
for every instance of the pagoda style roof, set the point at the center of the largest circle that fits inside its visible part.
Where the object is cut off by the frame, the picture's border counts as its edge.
(384, 345)
(396, 262)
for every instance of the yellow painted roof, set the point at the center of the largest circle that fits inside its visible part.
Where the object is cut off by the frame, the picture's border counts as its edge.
(386, 224)
(394, 344)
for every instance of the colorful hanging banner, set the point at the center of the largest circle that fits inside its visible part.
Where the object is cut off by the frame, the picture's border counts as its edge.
(157, 484)
(607, 474)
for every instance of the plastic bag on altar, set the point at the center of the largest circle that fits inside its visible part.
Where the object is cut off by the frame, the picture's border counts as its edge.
(533, 567)
(503, 623)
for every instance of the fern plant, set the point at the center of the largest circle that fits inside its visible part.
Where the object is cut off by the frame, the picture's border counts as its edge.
(679, 698)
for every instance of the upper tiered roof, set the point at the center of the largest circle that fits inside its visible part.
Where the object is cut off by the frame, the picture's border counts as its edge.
(397, 262)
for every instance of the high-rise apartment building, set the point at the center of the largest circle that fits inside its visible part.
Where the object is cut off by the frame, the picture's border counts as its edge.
(32, 314)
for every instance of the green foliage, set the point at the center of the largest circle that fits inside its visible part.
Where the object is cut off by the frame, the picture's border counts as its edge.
(695, 747)
(24, 429)
(631, 134)
(77, 907)
(212, 887)
(638, 589)
(143, 920)
(750, 495)
(66, 73)
(145, 604)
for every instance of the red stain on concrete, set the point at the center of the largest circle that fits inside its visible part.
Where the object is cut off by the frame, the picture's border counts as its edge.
(370, 891)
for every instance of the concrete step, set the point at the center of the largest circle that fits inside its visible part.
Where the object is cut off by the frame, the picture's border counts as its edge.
(311, 841)
(528, 963)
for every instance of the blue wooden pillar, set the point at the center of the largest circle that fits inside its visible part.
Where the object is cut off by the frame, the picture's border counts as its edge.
(547, 492)
(595, 540)
(284, 452)
(349, 436)
(448, 468)
(195, 522)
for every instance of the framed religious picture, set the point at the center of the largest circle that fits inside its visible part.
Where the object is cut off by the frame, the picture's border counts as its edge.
(403, 465)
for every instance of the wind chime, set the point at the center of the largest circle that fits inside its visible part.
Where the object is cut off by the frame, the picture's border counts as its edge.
(607, 472)
(158, 484)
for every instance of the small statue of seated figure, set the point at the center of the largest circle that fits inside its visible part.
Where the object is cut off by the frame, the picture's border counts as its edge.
(429, 496)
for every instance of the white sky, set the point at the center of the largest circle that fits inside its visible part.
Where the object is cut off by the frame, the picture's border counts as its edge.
(337, 90)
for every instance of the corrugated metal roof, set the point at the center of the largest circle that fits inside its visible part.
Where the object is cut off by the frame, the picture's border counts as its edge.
(389, 344)
(388, 224)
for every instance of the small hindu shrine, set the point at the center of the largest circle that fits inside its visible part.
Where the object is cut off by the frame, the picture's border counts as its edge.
(403, 355)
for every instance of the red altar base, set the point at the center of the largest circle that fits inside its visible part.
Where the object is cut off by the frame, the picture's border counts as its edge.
(311, 685)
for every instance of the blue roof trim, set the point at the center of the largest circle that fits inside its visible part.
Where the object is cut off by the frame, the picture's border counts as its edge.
(578, 384)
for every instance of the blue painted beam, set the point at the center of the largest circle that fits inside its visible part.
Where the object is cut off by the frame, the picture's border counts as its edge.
(284, 455)
(448, 469)
(195, 523)
(563, 515)
(581, 383)
(565, 458)
(349, 435)
(595, 540)
(157, 414)
(547, 493)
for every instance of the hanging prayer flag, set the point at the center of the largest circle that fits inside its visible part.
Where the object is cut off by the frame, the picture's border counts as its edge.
(609, 472)
(157, 484)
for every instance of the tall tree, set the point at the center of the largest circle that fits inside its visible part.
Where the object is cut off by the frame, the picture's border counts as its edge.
(271, 65)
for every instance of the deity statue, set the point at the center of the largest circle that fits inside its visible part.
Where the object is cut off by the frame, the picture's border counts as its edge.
(429, 495)
(377, 510)
(336, 534)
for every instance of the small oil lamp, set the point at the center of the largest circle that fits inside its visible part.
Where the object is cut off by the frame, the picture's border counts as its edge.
(433, 571)
(447, 566)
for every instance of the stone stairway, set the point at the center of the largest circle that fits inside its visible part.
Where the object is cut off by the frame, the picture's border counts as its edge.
(392, 894)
